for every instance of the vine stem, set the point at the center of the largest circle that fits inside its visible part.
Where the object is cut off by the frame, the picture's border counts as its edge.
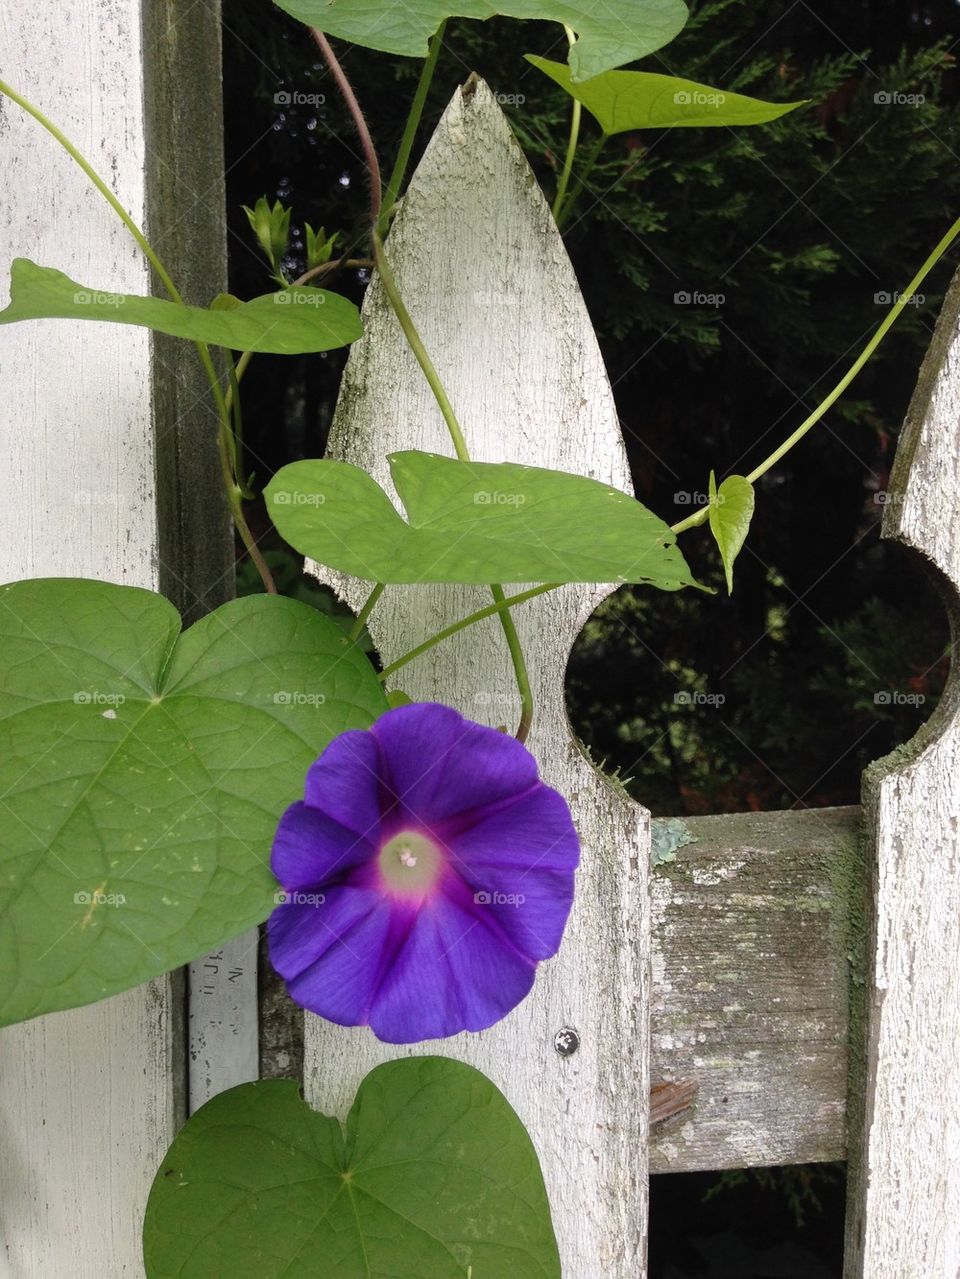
(419, 350)
(501, 605)
(244, 360)
(359, 121)
(575, 117)
(460, 447)
(903, 300)
(225, 433)
(593, 155)
(369, 606)
(395, 181)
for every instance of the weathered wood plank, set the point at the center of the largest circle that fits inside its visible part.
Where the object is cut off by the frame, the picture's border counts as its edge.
(752, 939)
(90, 418)
(903, 1221)
(487, 279)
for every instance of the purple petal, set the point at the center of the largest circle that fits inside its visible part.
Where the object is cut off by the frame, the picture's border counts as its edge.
(345, 782)
(439, 764)
(520, 864)
(310, 849)
(331, 954)
(453, 972)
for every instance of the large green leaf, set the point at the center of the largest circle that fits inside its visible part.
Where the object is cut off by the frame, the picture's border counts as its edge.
(731, 510)
(611, 34)
(627, 100)
(142, 774)
(472, 522)
(289, 322)
(434, 1178)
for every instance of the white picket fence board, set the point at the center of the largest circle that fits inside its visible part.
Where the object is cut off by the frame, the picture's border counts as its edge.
(904, 1209)
(89, 1098)
(86, 1097)
(488, 282)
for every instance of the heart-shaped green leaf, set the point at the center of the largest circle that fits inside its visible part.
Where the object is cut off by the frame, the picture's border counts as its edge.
(289, 322)
(472, 522)
(142, 775)
(611, 34)
(731, 510)
(434, 1178)
(625, 100)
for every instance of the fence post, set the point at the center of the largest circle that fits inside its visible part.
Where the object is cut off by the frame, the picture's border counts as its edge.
(903, 1220)
(107, 470)
(486, 277)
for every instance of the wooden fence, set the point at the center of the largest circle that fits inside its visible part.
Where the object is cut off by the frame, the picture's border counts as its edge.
(782, 964)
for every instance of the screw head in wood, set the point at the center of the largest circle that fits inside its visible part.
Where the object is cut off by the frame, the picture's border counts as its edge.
(566, 1041)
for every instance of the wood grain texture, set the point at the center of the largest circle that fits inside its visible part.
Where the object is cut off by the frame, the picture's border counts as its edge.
(751, 974)
(502, 316)
(903, 1220)
(89, 1099)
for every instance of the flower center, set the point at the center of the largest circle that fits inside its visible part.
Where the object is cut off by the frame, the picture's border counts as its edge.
(410, 864)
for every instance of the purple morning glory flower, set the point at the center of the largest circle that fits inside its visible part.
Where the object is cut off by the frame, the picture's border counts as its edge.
(426, 873)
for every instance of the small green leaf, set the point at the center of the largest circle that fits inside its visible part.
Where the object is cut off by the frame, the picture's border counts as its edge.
(731, 510)
(319, 248)
(271, 226)
(143, 773)
(473, 522)
(289, 322)
(621, 101)
(397, 697)
(435, 1177)
(611, 34)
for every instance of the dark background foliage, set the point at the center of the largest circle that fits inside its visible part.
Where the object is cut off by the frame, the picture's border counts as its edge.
(832, 648)
(799, 226)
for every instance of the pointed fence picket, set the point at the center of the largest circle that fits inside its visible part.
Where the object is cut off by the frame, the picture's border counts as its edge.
(779, 960)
